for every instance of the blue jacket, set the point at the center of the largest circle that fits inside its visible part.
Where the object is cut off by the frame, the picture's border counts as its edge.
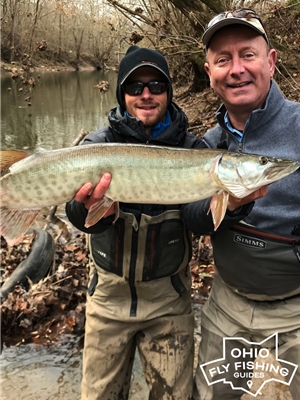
(253, 265)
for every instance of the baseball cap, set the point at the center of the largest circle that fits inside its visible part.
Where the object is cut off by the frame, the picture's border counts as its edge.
(241, 16)
(137, 57)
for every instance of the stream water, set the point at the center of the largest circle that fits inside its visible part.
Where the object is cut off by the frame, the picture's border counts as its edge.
(52, 372)
(61, 104)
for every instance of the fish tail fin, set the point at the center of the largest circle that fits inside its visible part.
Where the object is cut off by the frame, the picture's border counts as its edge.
(15, 223)
(218, 207)
(98, 210)
(9, 157)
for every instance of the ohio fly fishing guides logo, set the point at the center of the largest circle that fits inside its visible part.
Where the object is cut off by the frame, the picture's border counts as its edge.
(240, 366)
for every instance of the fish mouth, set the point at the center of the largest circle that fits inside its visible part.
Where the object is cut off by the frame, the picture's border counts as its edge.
(280, 171)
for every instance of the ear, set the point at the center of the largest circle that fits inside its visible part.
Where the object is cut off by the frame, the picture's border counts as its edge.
(208, 71)
(272, 61)
(207, 68)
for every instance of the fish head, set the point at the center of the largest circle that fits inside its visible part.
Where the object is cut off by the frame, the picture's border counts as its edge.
(240, 174)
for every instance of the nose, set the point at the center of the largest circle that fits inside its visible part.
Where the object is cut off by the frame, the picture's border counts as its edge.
(146, 92)
(237, 66)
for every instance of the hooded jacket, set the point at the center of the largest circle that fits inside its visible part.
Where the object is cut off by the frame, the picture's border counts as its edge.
(273, 130)
(148, 248)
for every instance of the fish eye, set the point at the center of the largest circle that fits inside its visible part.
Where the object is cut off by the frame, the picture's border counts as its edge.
(263, 160)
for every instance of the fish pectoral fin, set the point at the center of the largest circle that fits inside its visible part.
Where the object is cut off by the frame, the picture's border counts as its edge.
(218, 207)
(9, 157)
(98, 211)
(15, 223)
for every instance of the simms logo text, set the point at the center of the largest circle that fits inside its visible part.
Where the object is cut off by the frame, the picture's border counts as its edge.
(249, 241)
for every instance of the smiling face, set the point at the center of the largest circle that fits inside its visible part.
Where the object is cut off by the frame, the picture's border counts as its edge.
(240, 67)
(149, 108)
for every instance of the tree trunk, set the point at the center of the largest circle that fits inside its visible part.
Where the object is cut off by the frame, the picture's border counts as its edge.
(13, 14)
(31, 49)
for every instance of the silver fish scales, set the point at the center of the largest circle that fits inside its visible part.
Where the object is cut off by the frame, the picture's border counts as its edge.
(140, 174)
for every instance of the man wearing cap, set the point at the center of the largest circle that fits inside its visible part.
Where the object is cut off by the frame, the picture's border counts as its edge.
(255, 296)
(139, 289)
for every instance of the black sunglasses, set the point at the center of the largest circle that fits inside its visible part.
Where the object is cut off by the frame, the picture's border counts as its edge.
(136, 88)
(239, 13)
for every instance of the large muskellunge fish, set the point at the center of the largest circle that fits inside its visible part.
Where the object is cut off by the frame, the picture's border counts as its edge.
(140, 174)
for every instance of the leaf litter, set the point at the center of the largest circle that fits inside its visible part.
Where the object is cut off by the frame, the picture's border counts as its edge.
(56, 305)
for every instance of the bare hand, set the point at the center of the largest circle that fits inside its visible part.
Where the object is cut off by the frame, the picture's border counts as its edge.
(234, 202)
(88, 196)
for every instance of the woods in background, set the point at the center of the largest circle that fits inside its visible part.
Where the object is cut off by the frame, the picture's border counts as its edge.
(98, 32)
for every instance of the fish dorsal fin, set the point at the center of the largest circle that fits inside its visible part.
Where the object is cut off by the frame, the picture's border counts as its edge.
(9, 157)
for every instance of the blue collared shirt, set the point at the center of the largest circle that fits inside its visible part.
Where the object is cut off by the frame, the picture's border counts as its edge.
(238, 134)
